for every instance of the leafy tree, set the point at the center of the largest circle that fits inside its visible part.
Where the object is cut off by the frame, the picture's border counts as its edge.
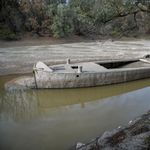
(89, 18)
(102, 15)
(58, 2)
(63, 21)
(11, 14)
(36, 19)
(5, 33)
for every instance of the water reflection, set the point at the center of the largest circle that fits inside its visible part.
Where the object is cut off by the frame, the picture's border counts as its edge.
(27, 105)
(52, 99)
(19, 105)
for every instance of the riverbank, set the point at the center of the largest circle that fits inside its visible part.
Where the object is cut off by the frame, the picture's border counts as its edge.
(135, 136)
(34, 40)
(20, 59)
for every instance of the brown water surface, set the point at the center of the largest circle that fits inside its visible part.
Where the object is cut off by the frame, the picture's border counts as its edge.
(57, 119)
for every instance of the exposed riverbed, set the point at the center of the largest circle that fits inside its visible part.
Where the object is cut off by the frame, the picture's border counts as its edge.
(21, 59)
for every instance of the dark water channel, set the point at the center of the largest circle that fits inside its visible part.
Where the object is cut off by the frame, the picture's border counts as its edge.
(58, 119)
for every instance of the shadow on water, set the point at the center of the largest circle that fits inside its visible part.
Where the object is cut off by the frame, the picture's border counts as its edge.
(40, 119)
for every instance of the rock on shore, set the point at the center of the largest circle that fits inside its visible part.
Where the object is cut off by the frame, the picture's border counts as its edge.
(134, 136)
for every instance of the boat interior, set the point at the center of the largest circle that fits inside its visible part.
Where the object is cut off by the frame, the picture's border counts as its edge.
(98, 66)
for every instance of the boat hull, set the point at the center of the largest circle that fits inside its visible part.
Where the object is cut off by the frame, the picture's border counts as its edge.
(75, 80)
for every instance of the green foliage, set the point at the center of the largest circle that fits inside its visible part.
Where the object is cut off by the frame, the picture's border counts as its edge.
(135, 35)
(58, 2)
(52, 10)
(6, 34)
(63, 22)
(126, 33)
(11, 15)
(115, 32)
(35, 17)
(62, 17)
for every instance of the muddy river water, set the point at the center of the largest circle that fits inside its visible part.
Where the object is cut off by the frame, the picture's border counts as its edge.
(58, 119)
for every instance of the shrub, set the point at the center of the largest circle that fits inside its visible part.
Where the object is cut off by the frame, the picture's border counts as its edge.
(135, 35)
(115, 32)
(5, 34)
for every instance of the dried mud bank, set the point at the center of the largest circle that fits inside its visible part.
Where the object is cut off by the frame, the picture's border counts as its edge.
(134, 136)
(21, 59)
